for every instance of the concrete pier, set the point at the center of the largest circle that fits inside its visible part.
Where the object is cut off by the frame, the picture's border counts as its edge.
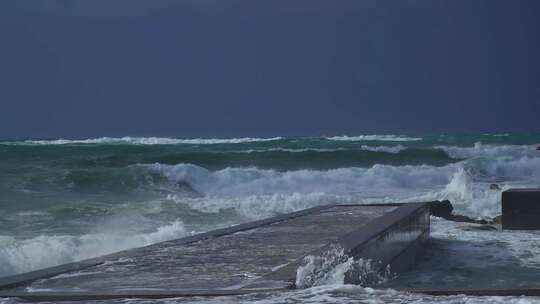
(253, 257)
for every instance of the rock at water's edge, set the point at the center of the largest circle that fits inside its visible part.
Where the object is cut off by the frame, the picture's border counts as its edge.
(494, 187)
(441, 208)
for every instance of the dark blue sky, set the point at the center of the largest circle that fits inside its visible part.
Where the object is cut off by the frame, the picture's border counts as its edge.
(222, 68)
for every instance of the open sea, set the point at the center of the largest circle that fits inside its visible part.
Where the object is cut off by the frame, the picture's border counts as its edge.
(67, 200)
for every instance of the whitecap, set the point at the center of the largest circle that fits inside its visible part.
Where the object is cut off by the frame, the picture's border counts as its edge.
(21, 255)
(151, 141)
(492, 151)
(374, 138)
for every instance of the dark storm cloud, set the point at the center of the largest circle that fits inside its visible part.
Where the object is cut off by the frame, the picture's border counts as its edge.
(258, 68)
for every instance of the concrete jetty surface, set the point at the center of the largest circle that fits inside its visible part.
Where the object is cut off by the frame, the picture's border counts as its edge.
(258, 256)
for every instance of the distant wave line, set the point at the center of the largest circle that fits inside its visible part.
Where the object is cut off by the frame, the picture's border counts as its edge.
(374, 138)
(151, 141)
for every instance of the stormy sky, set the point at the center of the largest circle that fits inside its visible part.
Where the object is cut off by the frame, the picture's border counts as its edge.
(224, 68)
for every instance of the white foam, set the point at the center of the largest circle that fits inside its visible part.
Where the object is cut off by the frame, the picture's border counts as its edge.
(378, 180)
(469, 185)
(151, 141)
(288, 150)
(387, 149)
(492, 151)
(374, 138)
(466, 184)
(354, 294)
(75, 274)
(467, 197)
(32, 289)
(261, 206)
(18, 256)
(333, 266)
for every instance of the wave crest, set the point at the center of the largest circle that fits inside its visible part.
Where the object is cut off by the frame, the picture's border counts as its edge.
(490, 151)
(151, 141)
(334, 267)
(466, 184)
(18, 255)
(374, 138)
(377, 180)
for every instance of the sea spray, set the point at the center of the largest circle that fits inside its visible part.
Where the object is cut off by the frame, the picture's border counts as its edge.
(335, 267)
(468, 197)
(18, 256)
(460, 186)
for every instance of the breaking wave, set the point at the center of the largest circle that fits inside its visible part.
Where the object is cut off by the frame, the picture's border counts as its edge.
(335, 267)
(474, 187)
(21, 255)
(467, 197)
(377, 180)
(490, 151)
(468, 184)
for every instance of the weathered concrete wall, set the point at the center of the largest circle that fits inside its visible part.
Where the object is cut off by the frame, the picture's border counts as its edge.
(392, 240)
(521, 209)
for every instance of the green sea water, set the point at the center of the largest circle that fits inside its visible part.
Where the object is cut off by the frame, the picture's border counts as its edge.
(66, 200)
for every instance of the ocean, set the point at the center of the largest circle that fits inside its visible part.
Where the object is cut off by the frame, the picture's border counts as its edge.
(66, 200)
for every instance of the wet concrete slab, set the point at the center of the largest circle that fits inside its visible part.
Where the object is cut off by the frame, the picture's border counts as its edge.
(262, 255)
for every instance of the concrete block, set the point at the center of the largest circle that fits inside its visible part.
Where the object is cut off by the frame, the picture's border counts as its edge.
(521, 209)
